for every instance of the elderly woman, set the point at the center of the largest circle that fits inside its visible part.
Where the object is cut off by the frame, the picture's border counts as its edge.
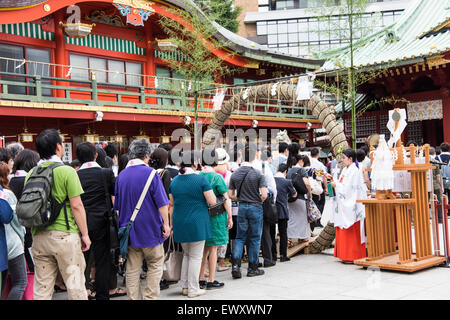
(151, 226)
(190, 195)
(348, 215)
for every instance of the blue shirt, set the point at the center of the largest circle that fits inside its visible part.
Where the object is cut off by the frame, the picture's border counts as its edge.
(191, 221)
(6, 215)
(148, 225)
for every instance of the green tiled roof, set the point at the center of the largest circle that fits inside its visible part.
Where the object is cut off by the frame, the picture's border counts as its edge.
(408, 39)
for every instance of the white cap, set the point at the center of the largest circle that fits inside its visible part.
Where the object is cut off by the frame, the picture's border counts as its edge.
(222, 156)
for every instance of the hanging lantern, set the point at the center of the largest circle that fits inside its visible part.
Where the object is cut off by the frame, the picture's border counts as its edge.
(117, 138)
(186, 139)
(142, 135)
(91, 137)
(165, 45)
(77, 30)
(164, 138)
(25, 136)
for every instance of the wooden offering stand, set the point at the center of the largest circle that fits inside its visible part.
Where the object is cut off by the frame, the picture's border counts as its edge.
(388, 221)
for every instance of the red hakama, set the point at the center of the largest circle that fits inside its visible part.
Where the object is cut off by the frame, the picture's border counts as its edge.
(348, 246)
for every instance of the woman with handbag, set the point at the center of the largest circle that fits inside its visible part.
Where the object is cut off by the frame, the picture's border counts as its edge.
(220, 218)
(15, 236)
(298, 226)
(190, 195)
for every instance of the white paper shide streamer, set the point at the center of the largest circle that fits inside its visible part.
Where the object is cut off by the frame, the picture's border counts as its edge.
(304, 88)
(400, 117)
(218, 99)
(382, 167)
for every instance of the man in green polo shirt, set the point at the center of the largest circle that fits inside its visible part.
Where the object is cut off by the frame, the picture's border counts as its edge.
(60, 246)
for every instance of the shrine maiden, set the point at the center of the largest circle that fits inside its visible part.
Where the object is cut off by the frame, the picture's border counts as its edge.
(348, 215)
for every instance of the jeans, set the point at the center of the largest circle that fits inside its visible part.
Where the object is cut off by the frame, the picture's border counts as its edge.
(249, 223)
(17, 270)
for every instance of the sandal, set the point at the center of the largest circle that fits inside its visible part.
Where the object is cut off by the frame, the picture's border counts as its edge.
(290, 244)
(118, 292)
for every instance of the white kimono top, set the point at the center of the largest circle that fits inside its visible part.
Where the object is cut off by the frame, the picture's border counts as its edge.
(345, 210)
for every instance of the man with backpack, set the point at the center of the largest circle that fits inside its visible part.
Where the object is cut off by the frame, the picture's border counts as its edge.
(51, 205)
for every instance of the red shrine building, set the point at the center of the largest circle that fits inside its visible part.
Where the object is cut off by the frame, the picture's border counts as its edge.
(407, 66)
(106, 76)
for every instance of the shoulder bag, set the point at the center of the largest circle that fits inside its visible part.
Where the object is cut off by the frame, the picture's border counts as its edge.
(111, 218)
(124, 232)
(270, 211)
(219, 207)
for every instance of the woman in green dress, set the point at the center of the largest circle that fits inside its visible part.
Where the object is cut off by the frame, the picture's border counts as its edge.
(220, 224)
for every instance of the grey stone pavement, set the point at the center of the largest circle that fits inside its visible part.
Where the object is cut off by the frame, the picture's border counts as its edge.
(321, 276)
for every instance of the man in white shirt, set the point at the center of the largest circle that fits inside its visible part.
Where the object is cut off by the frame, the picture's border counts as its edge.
(282, 155)
(319, 200)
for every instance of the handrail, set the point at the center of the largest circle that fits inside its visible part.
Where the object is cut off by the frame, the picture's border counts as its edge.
(43, 88)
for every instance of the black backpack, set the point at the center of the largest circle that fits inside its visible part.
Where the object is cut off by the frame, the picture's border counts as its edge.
(37, 207)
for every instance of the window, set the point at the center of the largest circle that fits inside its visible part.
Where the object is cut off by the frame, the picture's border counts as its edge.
(37, 65)
(106, 70)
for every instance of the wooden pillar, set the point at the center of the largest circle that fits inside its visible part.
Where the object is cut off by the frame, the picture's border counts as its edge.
(60, 53)
(446, 115)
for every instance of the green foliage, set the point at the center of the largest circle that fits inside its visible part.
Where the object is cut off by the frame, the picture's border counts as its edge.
(202, 65)
(221, 11)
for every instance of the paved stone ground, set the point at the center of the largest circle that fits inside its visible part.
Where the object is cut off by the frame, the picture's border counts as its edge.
(321, 277)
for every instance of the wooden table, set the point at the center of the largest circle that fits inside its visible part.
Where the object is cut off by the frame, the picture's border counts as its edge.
(388, 226)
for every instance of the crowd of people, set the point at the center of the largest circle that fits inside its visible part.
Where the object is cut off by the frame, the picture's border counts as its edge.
(164, 197)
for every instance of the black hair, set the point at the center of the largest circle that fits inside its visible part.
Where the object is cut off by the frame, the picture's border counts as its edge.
(166, 146)
(237, 152)
(294, 149)
(282, 167)
(75, 163)
(305, 159)
(122, 162)
(188, 161)
(350, 153)
(360, 155)
(366, 150)
(250, 152)
(158, 159)
(444, 147)
(86, 152)
(101, 157)
(26, 160)
(209, 157)
(109, 162)
(282, 146)
(5, 155)
(415, 144)
(314, 152)
(111, 151)
(265, 154)
(46, 143)
(173, 153)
